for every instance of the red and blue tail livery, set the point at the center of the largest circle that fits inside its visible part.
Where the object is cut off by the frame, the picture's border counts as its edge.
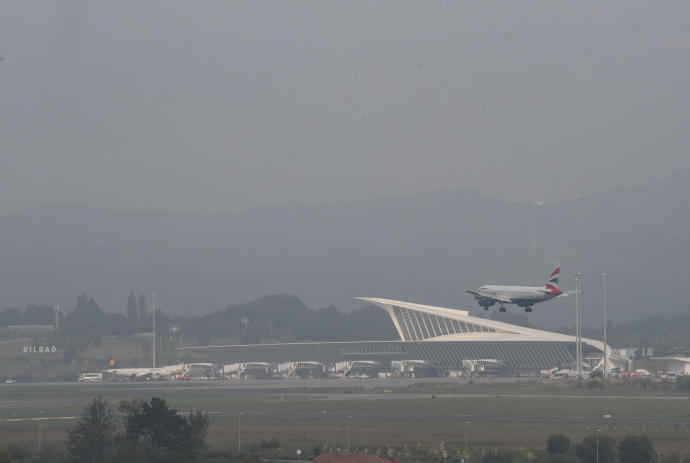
(552, 282)
(555, 276)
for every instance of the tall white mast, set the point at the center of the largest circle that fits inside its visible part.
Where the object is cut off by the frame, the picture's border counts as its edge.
(154, 299)
(604, 276)
(578, 324)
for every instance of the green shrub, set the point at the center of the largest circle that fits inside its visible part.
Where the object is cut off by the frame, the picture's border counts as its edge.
(636, 449)
(683, 383)
(557, 443)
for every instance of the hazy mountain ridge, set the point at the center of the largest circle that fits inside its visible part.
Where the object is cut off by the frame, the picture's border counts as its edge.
(426, 248)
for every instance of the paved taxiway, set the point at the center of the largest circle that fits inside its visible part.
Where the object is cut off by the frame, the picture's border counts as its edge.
(462, 418)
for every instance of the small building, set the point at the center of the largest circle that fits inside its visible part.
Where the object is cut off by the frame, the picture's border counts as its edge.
(678, 365)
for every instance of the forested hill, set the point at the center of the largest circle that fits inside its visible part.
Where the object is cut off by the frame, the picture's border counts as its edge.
(426, 248)
(285, 317)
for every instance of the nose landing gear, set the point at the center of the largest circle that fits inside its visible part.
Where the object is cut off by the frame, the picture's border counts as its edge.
(501, 309)
(528, 309)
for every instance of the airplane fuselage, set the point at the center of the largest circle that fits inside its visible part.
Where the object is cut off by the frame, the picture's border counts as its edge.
(523, 296)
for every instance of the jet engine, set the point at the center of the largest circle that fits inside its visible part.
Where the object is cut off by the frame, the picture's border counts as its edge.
(485, 302)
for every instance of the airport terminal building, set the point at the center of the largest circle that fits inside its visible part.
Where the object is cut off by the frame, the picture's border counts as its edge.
(450, 340)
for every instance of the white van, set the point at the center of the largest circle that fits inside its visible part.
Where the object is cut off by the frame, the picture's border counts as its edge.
(91, 377)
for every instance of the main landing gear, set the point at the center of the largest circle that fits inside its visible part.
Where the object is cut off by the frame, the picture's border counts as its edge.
(528, 309)
(501, 309)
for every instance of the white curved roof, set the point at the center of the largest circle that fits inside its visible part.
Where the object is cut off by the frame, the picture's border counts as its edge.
(418, 322)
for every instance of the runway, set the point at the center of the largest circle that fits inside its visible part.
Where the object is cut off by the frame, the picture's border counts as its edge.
(460, 418)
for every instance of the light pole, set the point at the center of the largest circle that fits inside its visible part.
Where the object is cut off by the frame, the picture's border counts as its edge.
(40, 434)
(604, 276)
(348, 434)
(466, 457)
(154, 299)
(239, 432)
(597, 433)
(578, 324)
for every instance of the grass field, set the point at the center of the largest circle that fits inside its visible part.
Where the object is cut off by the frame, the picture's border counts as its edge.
(377, 420)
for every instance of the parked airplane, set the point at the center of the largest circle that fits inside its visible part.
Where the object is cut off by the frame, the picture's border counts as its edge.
(523, 296)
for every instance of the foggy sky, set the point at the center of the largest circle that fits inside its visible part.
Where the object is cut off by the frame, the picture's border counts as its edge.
(177, 105)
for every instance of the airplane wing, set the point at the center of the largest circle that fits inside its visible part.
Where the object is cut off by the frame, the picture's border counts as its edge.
(563, 294)
(567, 293)
(504, 300)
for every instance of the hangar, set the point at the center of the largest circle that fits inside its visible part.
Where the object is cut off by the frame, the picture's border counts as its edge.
(447, 338)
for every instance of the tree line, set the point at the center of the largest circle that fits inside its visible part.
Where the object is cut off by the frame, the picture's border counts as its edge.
(601, 448)
(274, 317)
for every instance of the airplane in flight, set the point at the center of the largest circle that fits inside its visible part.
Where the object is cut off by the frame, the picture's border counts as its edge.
(523, 296)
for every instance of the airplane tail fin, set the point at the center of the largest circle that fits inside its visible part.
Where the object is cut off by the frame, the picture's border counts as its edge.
(554, 277)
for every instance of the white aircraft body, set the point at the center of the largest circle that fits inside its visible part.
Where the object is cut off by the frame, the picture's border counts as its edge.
(523, 296)
(148, 372)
